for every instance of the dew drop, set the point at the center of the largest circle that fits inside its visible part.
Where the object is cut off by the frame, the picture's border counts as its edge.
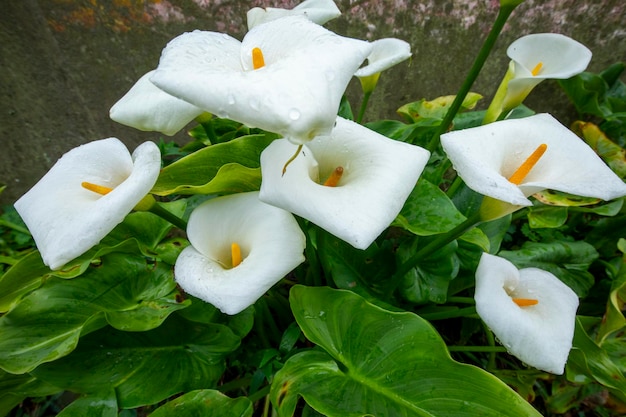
(254, 104)
(231, 99)
(294, 114)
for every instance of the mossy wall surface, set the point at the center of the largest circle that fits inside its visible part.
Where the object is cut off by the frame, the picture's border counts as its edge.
(65, 63)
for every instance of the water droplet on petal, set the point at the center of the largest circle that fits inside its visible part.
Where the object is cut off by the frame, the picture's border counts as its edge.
(254, 103)
(294, 114)
(231, 99)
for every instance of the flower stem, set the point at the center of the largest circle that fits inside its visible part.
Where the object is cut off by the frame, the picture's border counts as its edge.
(490, 349)
(166, 215)
(503, 14)
(436, 244)
(449, 314)
(461, 300)
(491, 364)
(259, 394)
(366, 99)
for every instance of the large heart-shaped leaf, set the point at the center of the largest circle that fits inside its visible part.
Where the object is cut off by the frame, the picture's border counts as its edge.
(45, 325)
(381, 363)
(144, 367)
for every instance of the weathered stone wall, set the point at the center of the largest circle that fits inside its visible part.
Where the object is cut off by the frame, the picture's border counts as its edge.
(64, 63)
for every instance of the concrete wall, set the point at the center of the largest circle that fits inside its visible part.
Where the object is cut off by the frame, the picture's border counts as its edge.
(64, 63)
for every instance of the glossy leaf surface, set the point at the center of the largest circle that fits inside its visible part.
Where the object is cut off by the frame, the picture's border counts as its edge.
(375, 362)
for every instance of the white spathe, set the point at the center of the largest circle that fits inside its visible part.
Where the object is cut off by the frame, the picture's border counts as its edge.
(486, 156)
(271, 243)
(148, 108)
(378, 175)
(65, 219)
(317, 11)
(561, 57)
(385, 54)
(296, 93)
(539, 335)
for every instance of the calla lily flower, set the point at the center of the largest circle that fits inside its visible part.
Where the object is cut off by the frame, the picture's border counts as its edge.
(148, 108)
(287, 76)
(535, 58)
(66, 211)
(317, 11)
(240, 247)
(531, 312)
(367, 179)
(487, 157)
(385, 54)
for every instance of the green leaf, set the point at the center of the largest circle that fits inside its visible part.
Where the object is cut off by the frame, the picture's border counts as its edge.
(144, 367)
(614, 319)
(47, 323)
(102, 405)
(437, 108)
(20, 279)
(205, 403)
(586, 90)
(428, 211)
(547, 217)
(568, 261)
(588, 360)
(366, 272)
(140, 232)
(202, 312)
(148, 228)
(380, 363)
(429, 280)
(15, 388)
(223, 168)
(416, 133)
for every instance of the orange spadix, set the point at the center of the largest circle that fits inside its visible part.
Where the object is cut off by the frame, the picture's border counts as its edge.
(535, 71)
(334, 177)
(257, 58)
(235, 253)
(100, 189)
(525, 302)
(521, 173)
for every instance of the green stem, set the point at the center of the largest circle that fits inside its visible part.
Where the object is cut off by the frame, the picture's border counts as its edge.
(491, 364)
(449, 314)
(461, 300)
(490, 349)
(456, 184)
(235, 384)
(366, 99)
(166, 215)
(435, 245)
(259, 394)
(503, 14)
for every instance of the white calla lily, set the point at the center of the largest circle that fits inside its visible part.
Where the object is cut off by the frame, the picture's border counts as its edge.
(531, 312)
(270, 241)
(287, 76)
(66, 219)
(486, 157)
(378, 175)
(317, 11)
(535, 58)
(148, 108)
(385, 54)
